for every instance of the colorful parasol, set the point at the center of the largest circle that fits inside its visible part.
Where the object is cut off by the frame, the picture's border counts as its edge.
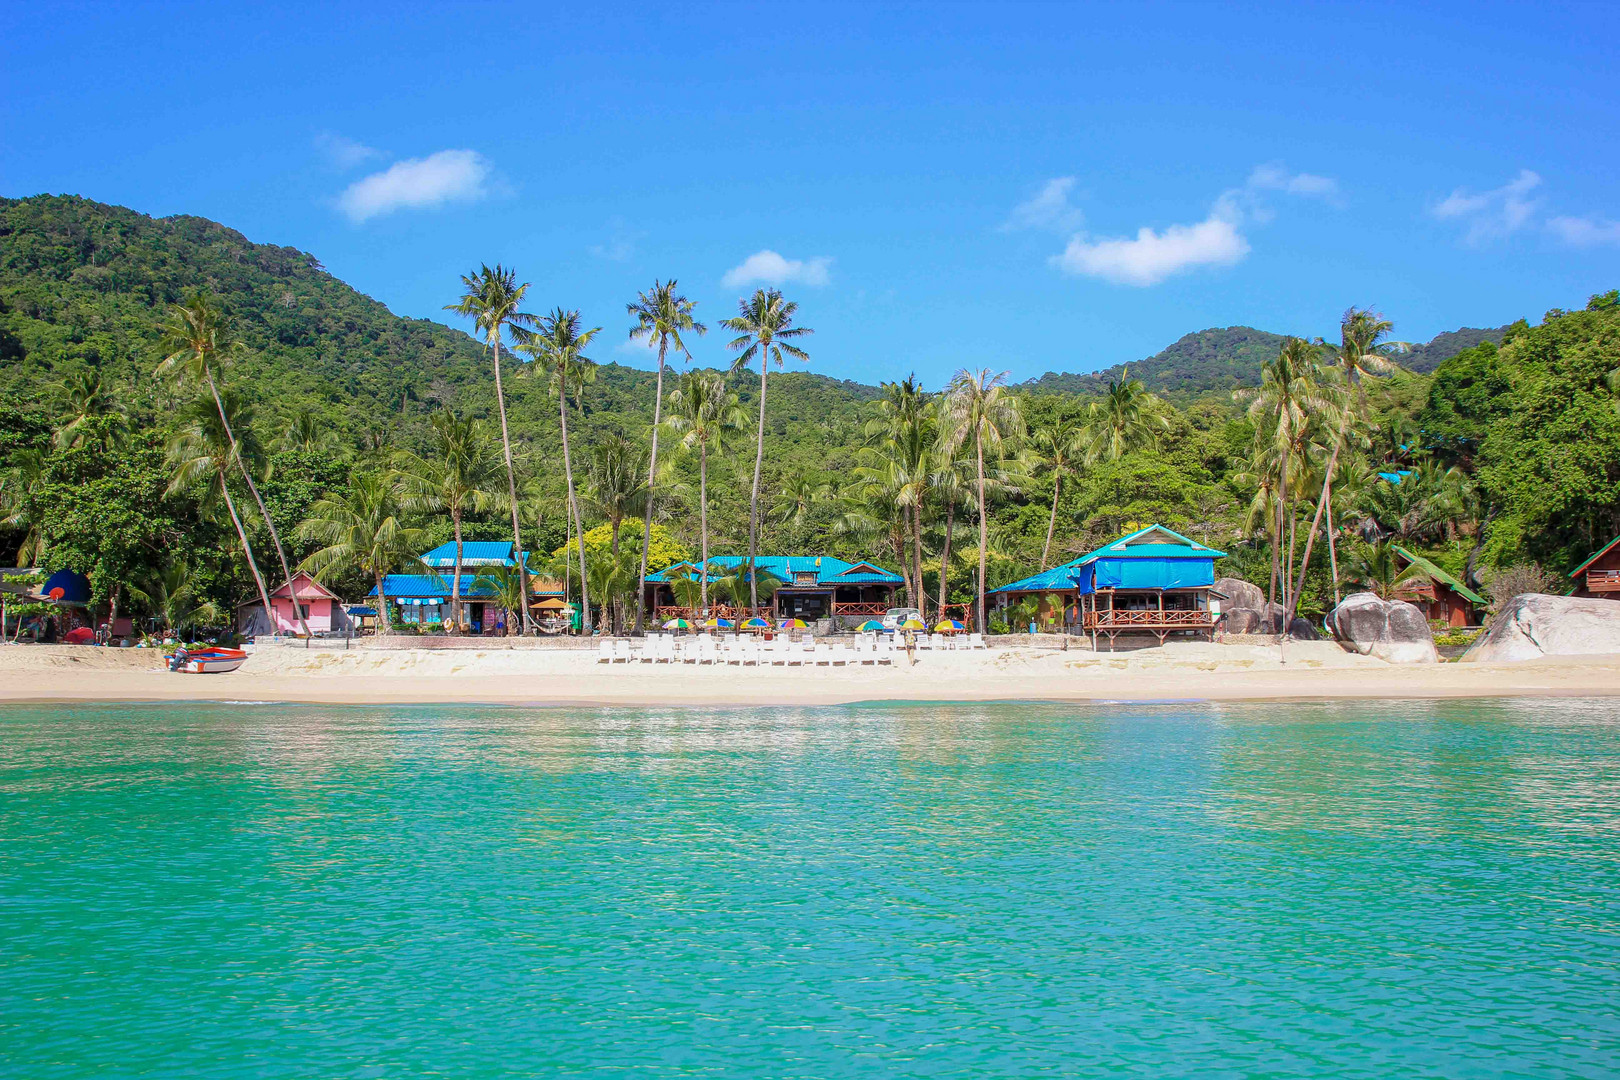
(720, 624)
(756, 623)
(914, 623)
(677, 624)
(949, 626)
(871, 624)
(793, 624)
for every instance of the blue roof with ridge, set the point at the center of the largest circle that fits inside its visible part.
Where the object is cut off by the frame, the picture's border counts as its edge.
(1141, 544)
(828, 570)
(435, 586)
(473, 553)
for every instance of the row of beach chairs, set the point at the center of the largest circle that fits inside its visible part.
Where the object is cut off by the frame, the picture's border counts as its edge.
(745, 650)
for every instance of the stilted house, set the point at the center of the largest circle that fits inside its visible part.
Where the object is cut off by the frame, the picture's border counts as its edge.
(1599, 576)
(425, 598)
(1152, 581)
(812, 586)
(1439, 595)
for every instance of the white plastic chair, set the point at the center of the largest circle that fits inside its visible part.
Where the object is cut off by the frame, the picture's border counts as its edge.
(976, 641)
(841, 654)
(621, 651)
(604, 652)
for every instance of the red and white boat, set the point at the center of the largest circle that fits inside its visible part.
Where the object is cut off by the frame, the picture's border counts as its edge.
(212, 661)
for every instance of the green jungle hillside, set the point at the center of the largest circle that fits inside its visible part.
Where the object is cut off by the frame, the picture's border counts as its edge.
(1509, 439)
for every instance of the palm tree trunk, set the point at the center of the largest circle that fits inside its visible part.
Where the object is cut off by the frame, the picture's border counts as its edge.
(455, 583)
(242, 466)
(1275, 529)
(652, 472)
(753, 507)
(1051, 524)
(384, 620)
(511, 487)
(916, 559)
(247, 550)
(703, 523)
(984, 527)
(1310, 537)
(573, 506)
(945, 554)
(1333, 555)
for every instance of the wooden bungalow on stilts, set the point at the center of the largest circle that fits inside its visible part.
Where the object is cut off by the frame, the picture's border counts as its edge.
(1599, 576)
(1150, 581)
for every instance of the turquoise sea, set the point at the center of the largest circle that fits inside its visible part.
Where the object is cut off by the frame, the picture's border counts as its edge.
(1287, 890)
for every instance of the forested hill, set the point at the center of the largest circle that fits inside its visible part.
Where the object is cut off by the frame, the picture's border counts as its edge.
(1442, 347)
(1209, 360)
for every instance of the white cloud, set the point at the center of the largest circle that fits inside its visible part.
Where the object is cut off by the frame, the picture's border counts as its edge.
(1585, 232)
(344, 152)
(621, 242)
(768, 268)
(1274, 177)
(447, 176)
(1491, 215)
(1150, 256)
(1049, 209)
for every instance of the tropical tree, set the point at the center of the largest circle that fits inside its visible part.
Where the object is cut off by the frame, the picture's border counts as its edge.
(458, 477)
(1360, 333)
(360, 529)
(172, 595)
(797, 496)
(205, 448)
(661, 315)
(764, 328)
(559, 344)
(492, 299)
(1123, 420)
(306, 431)
(706, 416)
(898, 467)
(743, 580)
(617, 490)
(978, 408)
(197, 342)
(505, 586)
(86, 398)
(1057, 448)
(22, 502)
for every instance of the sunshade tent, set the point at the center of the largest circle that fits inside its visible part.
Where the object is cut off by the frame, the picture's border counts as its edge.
(949, 626)
(793, 624)
(872, 624)
(913, 624)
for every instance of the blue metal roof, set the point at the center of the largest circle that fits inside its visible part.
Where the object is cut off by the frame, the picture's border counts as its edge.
(828, 570)
(426, 586)
(473, 553)
(1143, 544)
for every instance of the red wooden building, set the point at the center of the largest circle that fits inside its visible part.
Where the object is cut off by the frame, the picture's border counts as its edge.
(1441, 597)
(1599, 576)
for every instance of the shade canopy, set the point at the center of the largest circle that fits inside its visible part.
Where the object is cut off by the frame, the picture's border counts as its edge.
(550, 603)
(949, 626)
(872, 624)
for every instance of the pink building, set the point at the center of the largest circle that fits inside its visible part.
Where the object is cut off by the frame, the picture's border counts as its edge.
(321, 608)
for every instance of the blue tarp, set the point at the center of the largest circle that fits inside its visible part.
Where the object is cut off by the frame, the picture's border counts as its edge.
(1147, 574)
(75, 587)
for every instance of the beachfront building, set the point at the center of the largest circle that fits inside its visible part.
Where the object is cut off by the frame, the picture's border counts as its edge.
(812, 587)
(322, 609)
(1440, 596)
(1150, 581)
(1599, 576)
(425, 598)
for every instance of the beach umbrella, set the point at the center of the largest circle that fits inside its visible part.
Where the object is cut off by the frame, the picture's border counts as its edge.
(871, 624)
(914, 623)
(756, 623)
(794, 624)
(677, 624)
(949, 626)
(720, 624)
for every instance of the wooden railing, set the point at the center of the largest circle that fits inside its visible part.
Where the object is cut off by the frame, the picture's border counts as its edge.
(1148, 620)
(1603, 580)
(858, 608)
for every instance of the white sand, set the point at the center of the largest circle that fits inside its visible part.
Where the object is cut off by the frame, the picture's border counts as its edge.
(1178, 671)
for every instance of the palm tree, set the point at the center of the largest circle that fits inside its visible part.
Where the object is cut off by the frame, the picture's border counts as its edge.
(205, 447)
(901, 463)
(195, 336)
(1287, 408)
(360, 529)
(305, 432)
(706, 416)
(617, 490)
(978, 407)
(458, 477)
(1360, 332)
(174, 597)
(661, 315)
(745, 579)
(22, 502)
(504, 585)
(492, 300)
(560, 344)
(86, 399)
(1059, 449)
(764, 327)
(1123, 420)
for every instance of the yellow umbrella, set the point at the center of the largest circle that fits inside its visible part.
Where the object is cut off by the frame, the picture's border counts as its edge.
(913, 623)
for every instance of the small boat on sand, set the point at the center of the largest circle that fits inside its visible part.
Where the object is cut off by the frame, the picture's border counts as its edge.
(210, 661)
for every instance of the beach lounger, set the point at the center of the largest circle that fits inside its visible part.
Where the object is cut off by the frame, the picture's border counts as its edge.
(621, 651)
(604, 652)
(976, 641)
(841, 654)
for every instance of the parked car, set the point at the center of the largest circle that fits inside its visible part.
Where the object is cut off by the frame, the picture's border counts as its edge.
(897, 615)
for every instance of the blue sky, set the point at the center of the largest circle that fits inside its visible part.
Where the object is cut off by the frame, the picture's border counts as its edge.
(1028, 188)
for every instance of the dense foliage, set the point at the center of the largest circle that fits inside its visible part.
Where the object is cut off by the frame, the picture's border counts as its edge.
(1509, 453)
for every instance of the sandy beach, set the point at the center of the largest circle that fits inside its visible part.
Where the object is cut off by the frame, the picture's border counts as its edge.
(1179, 671)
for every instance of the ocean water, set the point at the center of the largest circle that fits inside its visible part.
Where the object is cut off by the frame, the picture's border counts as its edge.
(1408, 889)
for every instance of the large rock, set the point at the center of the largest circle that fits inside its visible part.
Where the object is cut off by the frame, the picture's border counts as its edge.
(1245, 611)
(1535, 624)
(1391, 630)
